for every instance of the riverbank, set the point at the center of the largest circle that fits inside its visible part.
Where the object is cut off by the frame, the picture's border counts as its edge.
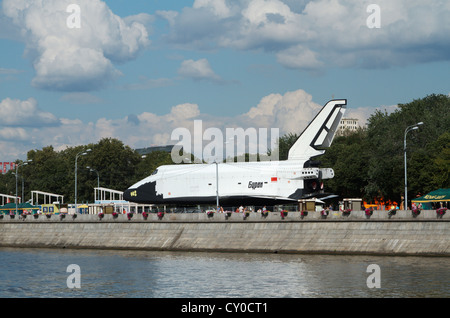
(400, 235)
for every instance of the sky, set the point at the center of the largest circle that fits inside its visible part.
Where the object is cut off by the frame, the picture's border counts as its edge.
(75, 71)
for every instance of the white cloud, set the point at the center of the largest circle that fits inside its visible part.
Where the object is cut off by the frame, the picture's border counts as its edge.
(13, 133)
(218, 7)
(14, 112)
(299, 57)
(76, 59)
(198, 70)
(290, 112)
(321, 33)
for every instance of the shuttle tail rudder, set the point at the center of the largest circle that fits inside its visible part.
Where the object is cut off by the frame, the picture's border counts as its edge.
(320, 132)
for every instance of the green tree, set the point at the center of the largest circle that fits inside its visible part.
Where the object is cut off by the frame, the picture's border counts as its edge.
(385, 138)
(348, 157)
(70, 155)
(439, 169)
(115, 162)
(54, 172)
(385, 156)
(285, 143)
(48, 171)
(8, 183)
(150, 162)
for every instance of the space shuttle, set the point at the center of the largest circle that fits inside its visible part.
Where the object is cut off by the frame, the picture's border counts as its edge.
(248, 183)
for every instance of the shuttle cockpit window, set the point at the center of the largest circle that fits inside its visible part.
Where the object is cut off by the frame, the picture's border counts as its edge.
(154, 172)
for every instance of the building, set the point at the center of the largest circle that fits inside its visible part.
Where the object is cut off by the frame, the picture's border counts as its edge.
(347, 126)
(148, 150)
(7, 166)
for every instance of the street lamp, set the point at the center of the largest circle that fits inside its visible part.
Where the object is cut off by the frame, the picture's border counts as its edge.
(83, 153)
(407, 130)
(17, 168)
(98, 176)
(217, 184)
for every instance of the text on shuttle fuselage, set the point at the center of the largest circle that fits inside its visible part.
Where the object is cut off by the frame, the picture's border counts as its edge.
(254, 185)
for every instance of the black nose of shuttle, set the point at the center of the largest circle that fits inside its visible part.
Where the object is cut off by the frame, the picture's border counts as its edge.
(127, 195)
(145, 194)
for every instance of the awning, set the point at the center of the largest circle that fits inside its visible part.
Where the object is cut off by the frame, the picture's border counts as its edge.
(434, 196)
(20, 207)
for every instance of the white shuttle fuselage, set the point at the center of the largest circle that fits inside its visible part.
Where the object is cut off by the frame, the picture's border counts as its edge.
(248, 183)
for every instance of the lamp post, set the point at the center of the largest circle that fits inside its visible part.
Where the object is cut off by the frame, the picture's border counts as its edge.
(217, 184)
(83, 153)
(23, 187)
(17, 168)
(98, 176)
(407, 130)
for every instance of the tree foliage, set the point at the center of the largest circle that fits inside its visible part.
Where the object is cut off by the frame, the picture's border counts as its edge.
(370, 162)
(380, 162)
(285, 143)
(348, 157)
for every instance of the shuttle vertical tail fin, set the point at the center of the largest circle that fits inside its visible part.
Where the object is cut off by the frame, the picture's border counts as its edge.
(320, 132)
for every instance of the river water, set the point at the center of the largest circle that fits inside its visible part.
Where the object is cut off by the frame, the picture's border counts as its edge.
(145, 274)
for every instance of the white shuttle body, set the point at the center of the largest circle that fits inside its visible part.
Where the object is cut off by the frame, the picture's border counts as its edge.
(248, 183)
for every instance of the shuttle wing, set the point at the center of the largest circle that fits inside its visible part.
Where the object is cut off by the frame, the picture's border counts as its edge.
(320, 132)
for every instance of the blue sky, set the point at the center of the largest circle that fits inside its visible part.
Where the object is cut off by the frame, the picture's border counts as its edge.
(136, 70)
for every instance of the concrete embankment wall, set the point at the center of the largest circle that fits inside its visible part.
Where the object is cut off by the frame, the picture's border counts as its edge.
(400, 235)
